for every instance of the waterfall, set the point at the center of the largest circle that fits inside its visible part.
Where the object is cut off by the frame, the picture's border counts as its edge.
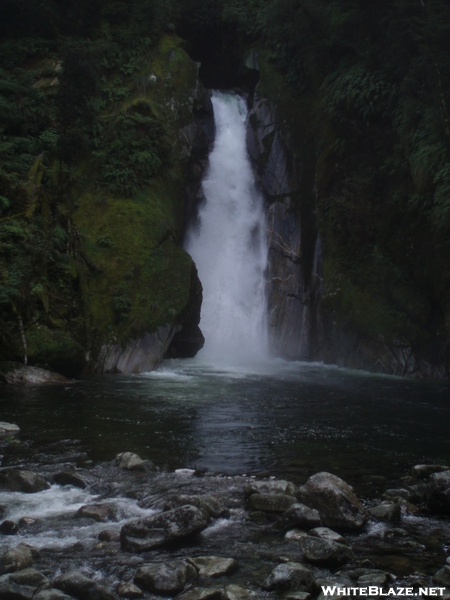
(229, 245)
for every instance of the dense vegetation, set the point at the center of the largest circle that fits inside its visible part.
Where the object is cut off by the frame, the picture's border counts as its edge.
(366, 84)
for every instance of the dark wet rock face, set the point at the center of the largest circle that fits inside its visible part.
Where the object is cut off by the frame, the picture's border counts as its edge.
(325, 552)
(23, 481)
(77, 585)
(130, 461)
(386, 511)
(9, 528)
(165, 578)
(70, 478)
(335, 501)
(16, 559)
(214, 566)
(98, 512)
(277, 486)
(277, 503)
(438, 493)
(290, 576)
(160, 529)
(299, 516)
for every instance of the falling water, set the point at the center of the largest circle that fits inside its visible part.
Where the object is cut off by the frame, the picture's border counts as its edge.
(229, 246)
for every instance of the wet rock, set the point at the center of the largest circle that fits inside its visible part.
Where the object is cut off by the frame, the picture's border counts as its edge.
(52, 594)
(270, 502)
(157, 530)
(438, 493)
(13, 373)
(99, 512)
(12, 591)
(8, 429)
(442, 577)
(373, 577)
(76, 584)
(396, 493)
(27, 521)
(70, 478)
(328, 534)
(133, 462)
(109, 535)
(448, 560)
(214, 566)
(295, 534)
(386, 511)
(301, 516)
(335, 501)
(297, 596)
(27, 482)
(16, 559)
(128, 590)
(257, 515)
(30, 577)
(165, 578)
(201, 594)
(321, 551)
(407, 507)
(234, 592)
(211, 506)
(290, 576)
(424, 471)
(275, 486)
(9, 528)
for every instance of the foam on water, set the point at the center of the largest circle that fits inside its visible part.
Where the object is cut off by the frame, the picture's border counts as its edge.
(229, 247)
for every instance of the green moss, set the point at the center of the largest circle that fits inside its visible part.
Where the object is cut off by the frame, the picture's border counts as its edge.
(55, 349)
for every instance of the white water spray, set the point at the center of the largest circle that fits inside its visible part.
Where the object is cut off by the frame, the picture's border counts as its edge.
(229, 248)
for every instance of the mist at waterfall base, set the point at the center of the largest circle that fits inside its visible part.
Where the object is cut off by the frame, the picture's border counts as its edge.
(228, 245)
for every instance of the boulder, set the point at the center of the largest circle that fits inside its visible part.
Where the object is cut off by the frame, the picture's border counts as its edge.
(393, 494)
(300, 516)
(373, 578)
(214, 566)
(9, 528)
(128, 590)
(234, 592)
(129, 461)
(150, 532)
(424, 471)
(77, 585)
(109, 535)
(27, 521)
(201, 594)
(70, 478)
(99, 512)
(52, 594)
(270, 486)
(27, 482)
(290, 576)
(295, 535)
(12, 591)
(16, 559)
(328, 534)
(335, 501)
(438, 493)
(442, 577)
(297, 596)
(30, 577)
(8, 429)
(13, 373)
(277, 503)
(166, 579)
(211, 506)
(325, 552)
(386, 511)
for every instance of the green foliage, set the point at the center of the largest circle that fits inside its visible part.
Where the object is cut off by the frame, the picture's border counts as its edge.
(130, 153)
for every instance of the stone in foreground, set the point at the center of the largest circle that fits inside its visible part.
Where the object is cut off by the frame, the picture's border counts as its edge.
(328, 534)
(11, 591)
(129, 461)
(201, 594)
(424, 471)
(7, 429)
(212, 506)
(16, 559)
(275, 486)
(99, 512)
(76, 584)
(70, 478)
(335, 501)
(52, 594)
(299, 516)
(30, 577)
(290, 576)
(235, 592)
(166, 579)
(438, 493)
(386, 511)
(442, 577)
(27, 482)
(321, 551)
(128, 590)
(214, 566)
(278, 503)
(157, 530)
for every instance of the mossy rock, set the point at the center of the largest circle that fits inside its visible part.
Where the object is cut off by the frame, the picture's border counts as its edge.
(55, 350)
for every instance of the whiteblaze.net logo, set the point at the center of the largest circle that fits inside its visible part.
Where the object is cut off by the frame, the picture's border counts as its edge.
(374, 590)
